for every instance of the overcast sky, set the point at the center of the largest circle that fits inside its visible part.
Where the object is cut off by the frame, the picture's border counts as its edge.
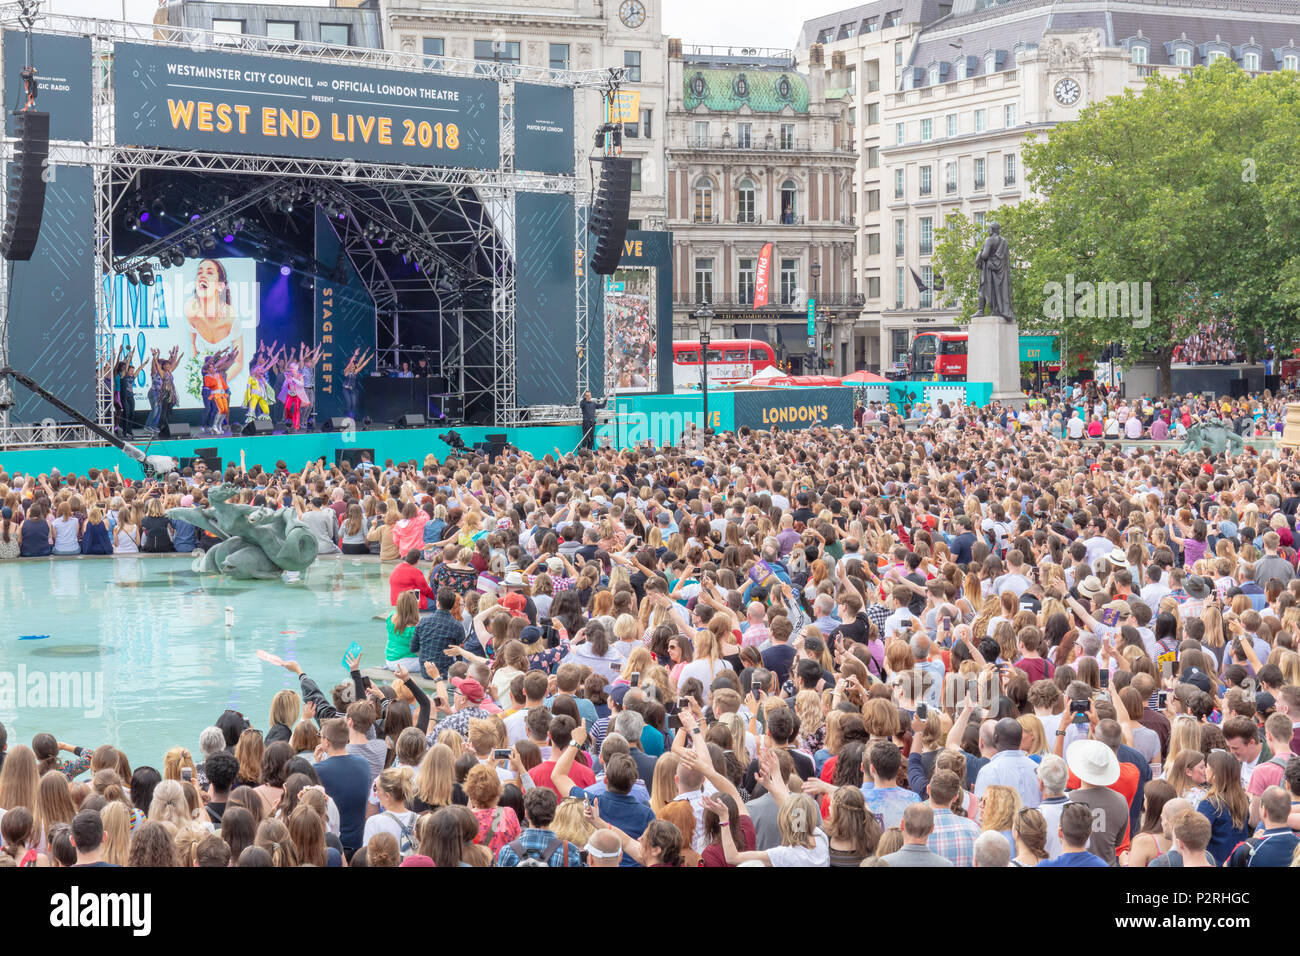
(724, 22)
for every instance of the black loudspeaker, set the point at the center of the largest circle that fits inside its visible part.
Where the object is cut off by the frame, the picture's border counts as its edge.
(206, 452)
(259, 426)
(609, 213)
(25, 190)
(179, 430)
(1273, 383)
(1238, 388)
(337, 423)
(452, 407)
(411, 420)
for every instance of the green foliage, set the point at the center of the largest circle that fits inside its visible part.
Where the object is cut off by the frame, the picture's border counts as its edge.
(1188, 184)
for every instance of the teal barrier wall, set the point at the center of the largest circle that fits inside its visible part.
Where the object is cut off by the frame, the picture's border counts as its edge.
(909, 393)
(294, 450)
(661, 419)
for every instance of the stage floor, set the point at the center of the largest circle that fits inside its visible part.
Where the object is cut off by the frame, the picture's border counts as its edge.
(295, 450)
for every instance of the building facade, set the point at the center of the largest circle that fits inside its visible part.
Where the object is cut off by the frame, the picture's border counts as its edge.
(560, 34)
(974, 79)
(341, 23)
(760, 152)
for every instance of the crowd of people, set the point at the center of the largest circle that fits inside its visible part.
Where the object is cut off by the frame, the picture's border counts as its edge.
(1214, 343)
(959, 642)
(631, 349)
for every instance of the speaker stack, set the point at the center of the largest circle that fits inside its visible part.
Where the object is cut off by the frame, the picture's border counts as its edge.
(609, 213)
(176, 430)
(25, 189)
(259, 426)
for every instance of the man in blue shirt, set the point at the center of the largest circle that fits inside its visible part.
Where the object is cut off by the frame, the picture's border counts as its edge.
(1275, 845)
(617, 805)
(539, 841)
(346, 779)
(1010, 766)
(1075, 831)
(961, 544)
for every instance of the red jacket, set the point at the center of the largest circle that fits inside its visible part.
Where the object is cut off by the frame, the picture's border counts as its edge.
(407, 577)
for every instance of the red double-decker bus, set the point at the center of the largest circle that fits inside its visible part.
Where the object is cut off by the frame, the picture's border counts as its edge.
(938, 357)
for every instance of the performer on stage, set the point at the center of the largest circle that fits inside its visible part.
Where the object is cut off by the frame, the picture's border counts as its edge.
(217, 389)
(282, 392)
(352, 383)
(124, 373)
(258, 392)
(293, 394)
(162, 388)
(308, 367)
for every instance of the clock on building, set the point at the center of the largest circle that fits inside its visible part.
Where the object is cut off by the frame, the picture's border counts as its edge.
(632, 13)
(1067, 91)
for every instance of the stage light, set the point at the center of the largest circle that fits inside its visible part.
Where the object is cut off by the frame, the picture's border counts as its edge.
(132, 222)
(285, 269)
(192, 249)
(131, 277)
(228, 237)
(146, 274)
(195, 218)
(157, 207)
(177, 257)
(238, 224)
(208, 243)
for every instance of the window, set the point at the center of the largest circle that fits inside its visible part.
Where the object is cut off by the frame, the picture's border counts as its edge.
(927, 174)
(635, 178)
(787, 136)
(1009, 173)
(1138, 54)
(1009, 115)
(873, 157)
(228, 31)
(950, 178)
(898, 344)
(632, 62)
(952, 125)
(873, 243)
(745, 201)
(559, 56)
(1183, 56)
(633, 225)
(979, 220)
(933, 78)
(963, 67)
(338, 34)
(282, 29)
(873, 287)
(873, 76)
(745, 283)
(981, 120)
(898, 54)
(900, 134)
(873, 200)
(789, 281)
(899, 290)
(704, 280)
(433, 48)
(927, 130)
(990, 63)
(789, 209)
(1291, 61)
(497, 51)
(873, 114)
(701, 133)
(900, 182)
(892, 18)
(979, 172)
(853, 78)
(927, 235)
(900, 237)
(704, 200)
(927, 296)
(744, 135)
(1214, 56)
(1249, 61)
(646, 125)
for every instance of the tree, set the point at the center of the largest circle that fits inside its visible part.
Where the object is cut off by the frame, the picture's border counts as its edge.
(1154, 210)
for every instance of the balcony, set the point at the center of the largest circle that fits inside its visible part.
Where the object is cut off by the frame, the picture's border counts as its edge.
(729, 144)
(826, 300)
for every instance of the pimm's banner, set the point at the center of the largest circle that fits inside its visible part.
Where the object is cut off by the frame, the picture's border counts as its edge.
(763, 277)
(243, 103)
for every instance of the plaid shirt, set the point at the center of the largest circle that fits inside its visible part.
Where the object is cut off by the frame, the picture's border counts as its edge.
(459, 722)
(433, 634)
(539, 840)
(877, 614)
(954, 837)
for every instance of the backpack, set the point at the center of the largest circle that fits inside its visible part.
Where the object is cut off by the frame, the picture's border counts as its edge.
(539, 857)
(405, 840)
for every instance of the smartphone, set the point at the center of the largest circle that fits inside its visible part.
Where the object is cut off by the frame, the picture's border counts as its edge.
(502, 754)
(683, 703)
(922, 712)
(1079, 711)
(756, 687)
(674, 722)
(1105, 677)
(1162, 699)
(634, 678)
(186, 773)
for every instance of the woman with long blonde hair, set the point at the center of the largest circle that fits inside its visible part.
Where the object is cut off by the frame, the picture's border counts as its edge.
(639, 661)
(998, 809)
(19, 780)
(663, 788)
(116, 847)
(435, 779)
(176, 760)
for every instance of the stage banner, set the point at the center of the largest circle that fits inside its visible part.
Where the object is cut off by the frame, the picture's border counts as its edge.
(51, 304)
(345, 321)
(230, 102)
(546, 332)
(794, 408)
(544, 129)
(63, 87)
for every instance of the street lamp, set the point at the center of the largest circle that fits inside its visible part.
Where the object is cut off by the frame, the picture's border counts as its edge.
(704, 320)
(815, 333)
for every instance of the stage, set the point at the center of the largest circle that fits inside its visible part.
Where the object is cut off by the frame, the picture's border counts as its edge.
(294, 450)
